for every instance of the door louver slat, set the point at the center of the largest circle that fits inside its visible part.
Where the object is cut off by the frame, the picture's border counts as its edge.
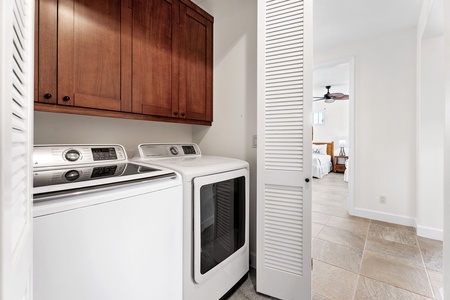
(19, 124)
(277, 232)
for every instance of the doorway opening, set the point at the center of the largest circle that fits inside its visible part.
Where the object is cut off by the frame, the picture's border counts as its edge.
(335, 123)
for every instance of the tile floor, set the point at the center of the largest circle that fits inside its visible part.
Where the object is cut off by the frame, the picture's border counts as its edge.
(356, 258)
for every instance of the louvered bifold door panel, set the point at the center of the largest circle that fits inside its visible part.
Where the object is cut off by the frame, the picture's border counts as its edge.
(16, 93)
(284, 148)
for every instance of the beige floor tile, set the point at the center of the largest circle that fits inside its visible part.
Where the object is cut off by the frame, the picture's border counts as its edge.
(332, 282)
(369, 289)
(343, 237)
(395, 273)
(320, 218)
(337, 255)
(432, 251)
(324, 200)
(407, 254)
(319, 297)
(330, 210)
(392, 225)
(392, 232)
(316, 229)
(436, 279)
(350, 223)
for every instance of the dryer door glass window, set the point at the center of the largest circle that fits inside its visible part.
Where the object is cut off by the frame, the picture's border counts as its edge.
(222, 221)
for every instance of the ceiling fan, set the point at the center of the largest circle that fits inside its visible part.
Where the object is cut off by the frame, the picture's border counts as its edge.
(331, 97)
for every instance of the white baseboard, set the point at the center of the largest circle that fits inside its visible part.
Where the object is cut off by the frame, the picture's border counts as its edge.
(423, 231)
(384, 217)
(431, 233)
(253, 260)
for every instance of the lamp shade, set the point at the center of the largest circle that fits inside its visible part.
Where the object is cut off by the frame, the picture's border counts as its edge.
(342, 143)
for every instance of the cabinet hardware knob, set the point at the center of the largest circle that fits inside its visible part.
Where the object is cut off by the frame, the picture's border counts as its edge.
(175, 113)
(66, 98)
(48, 96)
(307, 179)
(183, 114)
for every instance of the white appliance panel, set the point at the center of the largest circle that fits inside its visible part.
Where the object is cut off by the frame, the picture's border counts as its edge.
(121, 248)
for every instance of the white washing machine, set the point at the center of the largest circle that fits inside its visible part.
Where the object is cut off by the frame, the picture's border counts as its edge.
(104, 227)
(215, 217)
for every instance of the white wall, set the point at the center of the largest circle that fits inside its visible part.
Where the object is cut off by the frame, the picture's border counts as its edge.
(336, 125)
(56, 128)
(431, 118)
(446, 281)
(234, 90)
(384, 158)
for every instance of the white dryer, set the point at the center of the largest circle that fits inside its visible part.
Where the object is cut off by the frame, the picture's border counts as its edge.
(215, 217)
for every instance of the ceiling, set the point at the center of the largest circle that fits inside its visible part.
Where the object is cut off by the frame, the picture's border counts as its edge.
(337, 22)
(343, 21)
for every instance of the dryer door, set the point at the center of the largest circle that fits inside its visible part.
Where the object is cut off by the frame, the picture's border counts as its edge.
(220, 220)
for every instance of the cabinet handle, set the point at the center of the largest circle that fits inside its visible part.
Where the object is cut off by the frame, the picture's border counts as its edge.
(66, 98)
(183, 114)
(306, 179)
(175, 113)
(48, 96)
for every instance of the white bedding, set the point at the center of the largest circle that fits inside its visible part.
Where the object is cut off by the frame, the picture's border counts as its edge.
(321, 165)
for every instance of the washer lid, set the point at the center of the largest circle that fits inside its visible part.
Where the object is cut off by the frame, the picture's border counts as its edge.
(77, 177)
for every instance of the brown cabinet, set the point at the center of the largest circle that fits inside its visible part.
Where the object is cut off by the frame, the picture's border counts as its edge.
(195, 65)
(80, 59)
(155, 57)
(139, 59)
(339, 163)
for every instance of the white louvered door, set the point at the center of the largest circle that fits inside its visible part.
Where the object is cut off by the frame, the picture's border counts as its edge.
(284, 148)
(16, 125)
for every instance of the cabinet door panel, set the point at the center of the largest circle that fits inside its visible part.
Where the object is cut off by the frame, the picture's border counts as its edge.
(46, 51)
(89, 53)
(154, 75)
(196, 65)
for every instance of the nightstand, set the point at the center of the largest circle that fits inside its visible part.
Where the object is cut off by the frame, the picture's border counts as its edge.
(339, 163)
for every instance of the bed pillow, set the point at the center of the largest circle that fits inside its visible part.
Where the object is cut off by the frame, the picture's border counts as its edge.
(319, 149)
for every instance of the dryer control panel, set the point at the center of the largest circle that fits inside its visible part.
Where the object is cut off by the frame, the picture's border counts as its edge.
(63, 155)
(168, 150)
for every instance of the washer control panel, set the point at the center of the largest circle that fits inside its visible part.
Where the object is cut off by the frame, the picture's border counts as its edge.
(168, 150)
(63, 155)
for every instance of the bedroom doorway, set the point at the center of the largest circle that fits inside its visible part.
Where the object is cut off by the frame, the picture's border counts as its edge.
(333, 126)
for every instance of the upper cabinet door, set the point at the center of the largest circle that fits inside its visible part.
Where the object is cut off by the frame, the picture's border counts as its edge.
(196, 65)
(89, 54)
(155, 60)
(46, 49)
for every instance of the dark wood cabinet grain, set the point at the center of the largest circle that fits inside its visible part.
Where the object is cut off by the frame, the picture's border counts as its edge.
(195, 65)
(89, 54)
(155, 57)
(46, 46)
(138, 59)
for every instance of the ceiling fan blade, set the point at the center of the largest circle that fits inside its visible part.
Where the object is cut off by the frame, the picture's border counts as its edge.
(320, 99)
(344, 97)
(336, 94)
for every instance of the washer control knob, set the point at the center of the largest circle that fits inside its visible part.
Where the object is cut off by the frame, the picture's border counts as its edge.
(173, 150)
(72, 175)
(72, 155)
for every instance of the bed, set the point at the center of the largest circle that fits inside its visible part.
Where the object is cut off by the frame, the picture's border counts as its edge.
(322, 158)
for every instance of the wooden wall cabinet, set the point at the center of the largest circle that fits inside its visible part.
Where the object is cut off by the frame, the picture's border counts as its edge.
(196, 65)
(138, 59)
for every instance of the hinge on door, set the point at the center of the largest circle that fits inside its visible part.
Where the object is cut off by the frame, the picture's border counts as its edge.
(312, 264)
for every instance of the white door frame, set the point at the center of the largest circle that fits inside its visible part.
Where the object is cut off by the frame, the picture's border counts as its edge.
(352, 149)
